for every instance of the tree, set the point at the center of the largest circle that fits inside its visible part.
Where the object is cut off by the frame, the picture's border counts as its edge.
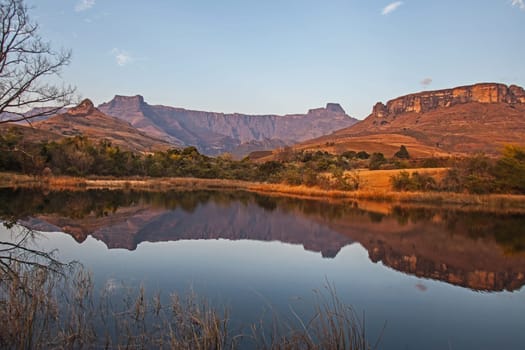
(510, 170)
(27, 63)
(402, 153)
(362, 155)
(376, 160)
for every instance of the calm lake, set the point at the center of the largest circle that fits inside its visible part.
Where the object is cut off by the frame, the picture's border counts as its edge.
(424, 278)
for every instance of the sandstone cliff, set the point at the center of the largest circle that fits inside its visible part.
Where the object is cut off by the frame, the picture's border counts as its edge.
(427, 101)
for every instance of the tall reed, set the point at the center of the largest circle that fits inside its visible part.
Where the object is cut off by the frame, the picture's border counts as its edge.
(48, 304)
(52, 311)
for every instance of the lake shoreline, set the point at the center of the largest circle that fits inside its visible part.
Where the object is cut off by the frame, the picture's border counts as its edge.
(497, 202)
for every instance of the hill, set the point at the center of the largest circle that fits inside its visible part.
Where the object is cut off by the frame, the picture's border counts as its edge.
(459, 121)
(215, 133)
(88, 121)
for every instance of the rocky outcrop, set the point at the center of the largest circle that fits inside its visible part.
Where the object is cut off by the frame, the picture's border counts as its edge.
(84, 108)
(215, 133)
(431, 100)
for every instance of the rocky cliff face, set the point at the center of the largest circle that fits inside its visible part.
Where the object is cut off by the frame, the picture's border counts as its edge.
(431, 100)
(215, 133)
(84, 108)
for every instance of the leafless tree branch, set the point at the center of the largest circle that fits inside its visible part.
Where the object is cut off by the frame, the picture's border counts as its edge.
(27, 64)
(17, 254)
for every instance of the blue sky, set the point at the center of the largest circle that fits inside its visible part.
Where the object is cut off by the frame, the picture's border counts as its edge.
(283, 56)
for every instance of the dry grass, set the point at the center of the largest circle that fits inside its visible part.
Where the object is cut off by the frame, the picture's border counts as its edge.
(62, 316)
(491, 202)
(379, 180)
(387, 143)
(374, 185)
(12, 180)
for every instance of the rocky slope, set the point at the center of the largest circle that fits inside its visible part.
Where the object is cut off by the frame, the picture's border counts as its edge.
(463, 120)
(88, 121)
(215, 133)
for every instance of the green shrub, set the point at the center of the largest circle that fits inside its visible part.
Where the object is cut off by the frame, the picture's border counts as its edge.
(362, 155)
(415, 182)
(474, 175)
(376, 160)
(510, 170)
(402, 153)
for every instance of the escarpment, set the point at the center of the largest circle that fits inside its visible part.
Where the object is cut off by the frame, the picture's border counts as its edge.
(431, 100)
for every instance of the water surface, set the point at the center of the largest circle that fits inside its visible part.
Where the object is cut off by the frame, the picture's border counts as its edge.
(424, 277)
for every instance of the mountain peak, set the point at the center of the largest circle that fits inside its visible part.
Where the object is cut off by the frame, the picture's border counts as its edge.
(122, 98)
(122, 103)
(335, 107)
(83, 108)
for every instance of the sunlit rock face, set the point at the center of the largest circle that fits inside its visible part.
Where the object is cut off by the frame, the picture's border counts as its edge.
(85, 107)
(431, 100)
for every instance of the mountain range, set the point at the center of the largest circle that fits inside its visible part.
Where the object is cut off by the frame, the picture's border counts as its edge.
(216, 133)
(452, 122)
(133, 124)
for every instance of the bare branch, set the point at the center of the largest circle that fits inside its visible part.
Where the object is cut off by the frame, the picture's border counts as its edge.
(26, 63)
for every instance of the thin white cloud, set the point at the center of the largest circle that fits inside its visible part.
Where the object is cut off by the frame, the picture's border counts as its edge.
(394, 6)
(426, 81)
(84, 5)
(122, 58)
(519, 4)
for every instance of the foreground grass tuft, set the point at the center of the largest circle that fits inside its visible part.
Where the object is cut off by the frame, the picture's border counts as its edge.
(45, 304)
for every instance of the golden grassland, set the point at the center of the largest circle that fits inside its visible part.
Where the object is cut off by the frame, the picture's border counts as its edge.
(374, 186)
(379, 180)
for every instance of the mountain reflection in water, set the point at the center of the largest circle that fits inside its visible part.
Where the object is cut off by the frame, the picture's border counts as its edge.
(474, 249)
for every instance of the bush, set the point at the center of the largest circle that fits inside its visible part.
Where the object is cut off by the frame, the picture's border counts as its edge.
(349, 154)
(376, 160)
(474, 175)
(510, 170)
(415, 182)
(344, 182)
(362, 155)
(402, 153)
